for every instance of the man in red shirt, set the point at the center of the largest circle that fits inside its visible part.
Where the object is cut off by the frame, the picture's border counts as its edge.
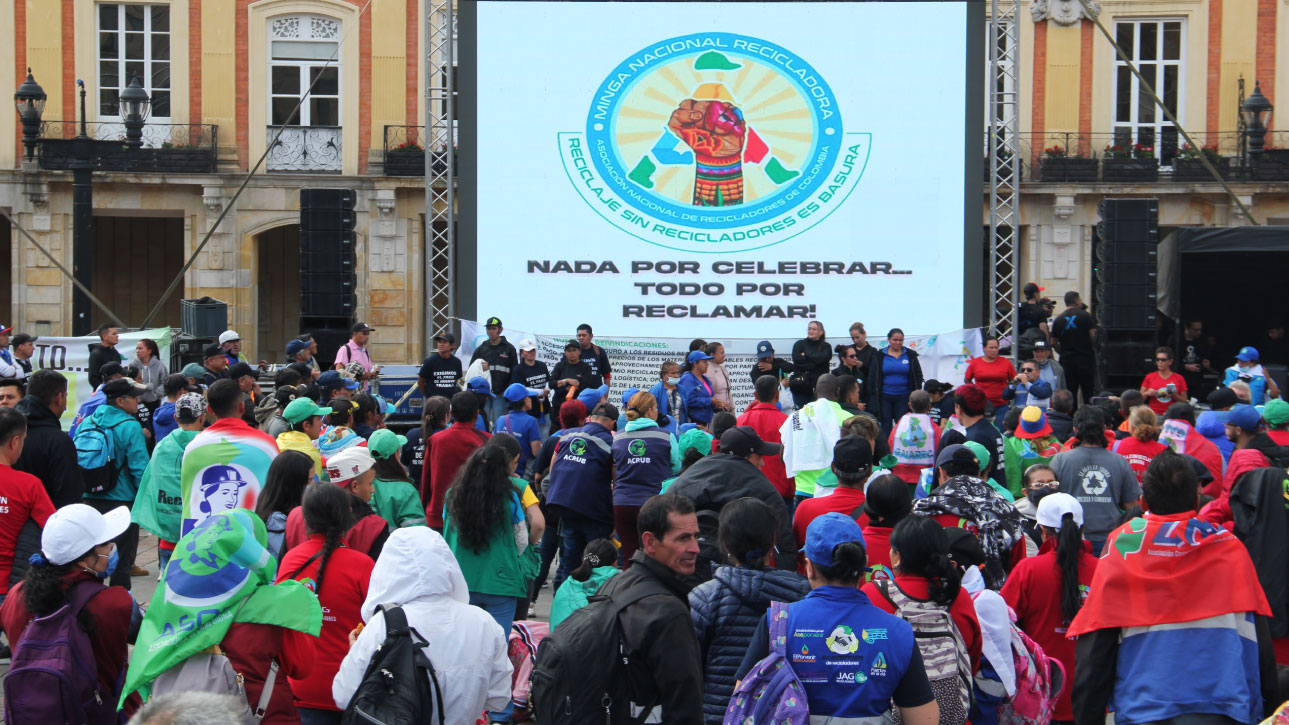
(445, 453)
(22, 501)
(852, 462)
(765, 418)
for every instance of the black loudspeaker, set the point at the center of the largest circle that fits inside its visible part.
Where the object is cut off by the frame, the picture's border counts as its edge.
(186, 349)
(328, 257)
(1125, 290)
(330, 333)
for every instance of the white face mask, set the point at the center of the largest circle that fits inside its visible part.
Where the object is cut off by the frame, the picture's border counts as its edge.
(673, 381)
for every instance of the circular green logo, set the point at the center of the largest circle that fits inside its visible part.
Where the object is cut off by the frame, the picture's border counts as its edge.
(637, 447)
(578, 447)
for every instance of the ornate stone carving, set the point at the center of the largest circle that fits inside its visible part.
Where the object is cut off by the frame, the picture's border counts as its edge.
(1062, 12)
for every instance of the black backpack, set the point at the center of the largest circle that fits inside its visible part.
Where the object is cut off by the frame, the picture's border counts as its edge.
(581, 674)
(399, 686)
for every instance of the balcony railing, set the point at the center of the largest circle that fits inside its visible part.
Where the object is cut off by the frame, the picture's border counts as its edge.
(170, 148)
(305, 148)
(1119, 159)
(405, 152)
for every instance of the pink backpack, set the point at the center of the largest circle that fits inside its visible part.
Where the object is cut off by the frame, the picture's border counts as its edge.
(1039, 680)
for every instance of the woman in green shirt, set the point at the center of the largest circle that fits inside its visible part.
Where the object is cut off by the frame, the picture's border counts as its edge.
(395, 498)
(489, 519)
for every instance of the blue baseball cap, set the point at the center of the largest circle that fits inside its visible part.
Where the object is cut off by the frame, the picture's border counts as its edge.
(696, 356)
(330, 380)
(1244, 416)
(826, 532)
(764, 349)
(294, 347)
(626, 397)
(516, 392)
(480, 385)
(591, 396)
(1247, 354)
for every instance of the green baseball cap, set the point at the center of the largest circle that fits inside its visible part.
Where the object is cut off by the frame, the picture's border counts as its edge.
(385, 443)
(982, 454)
(1276, 413)
(193, 370)
(302, 409)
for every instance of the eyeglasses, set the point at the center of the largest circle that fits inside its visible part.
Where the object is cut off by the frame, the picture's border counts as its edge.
(1028, 370)
(1163, 359)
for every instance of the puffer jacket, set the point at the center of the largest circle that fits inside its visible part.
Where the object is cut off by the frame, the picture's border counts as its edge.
(417, 571)
(726, 611)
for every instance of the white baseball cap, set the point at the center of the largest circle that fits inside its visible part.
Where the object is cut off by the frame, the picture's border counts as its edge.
(1054, 506)
(349, 464)
(527, 344)
(76, 528)
(228, 336)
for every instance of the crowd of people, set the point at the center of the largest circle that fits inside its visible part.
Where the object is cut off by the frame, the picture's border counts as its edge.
(857, 542)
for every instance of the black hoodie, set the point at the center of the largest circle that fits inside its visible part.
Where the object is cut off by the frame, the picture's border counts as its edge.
(48, 453)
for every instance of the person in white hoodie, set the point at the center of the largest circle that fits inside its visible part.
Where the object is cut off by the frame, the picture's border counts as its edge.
(416, 570)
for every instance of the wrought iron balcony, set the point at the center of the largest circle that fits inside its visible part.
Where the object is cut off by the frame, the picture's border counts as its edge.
(1109, 158)
(314, 149)
(168, 148)
(405, 152)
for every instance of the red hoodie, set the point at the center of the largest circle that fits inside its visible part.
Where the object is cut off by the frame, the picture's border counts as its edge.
(1218, 511)
(766, 420)
(344, 588)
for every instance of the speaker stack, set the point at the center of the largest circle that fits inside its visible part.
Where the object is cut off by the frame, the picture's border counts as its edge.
(328, 267)
(1125, 290)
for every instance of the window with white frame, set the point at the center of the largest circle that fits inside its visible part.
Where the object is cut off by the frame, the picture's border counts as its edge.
(1155, 47)
(302, 49)
(133, 40)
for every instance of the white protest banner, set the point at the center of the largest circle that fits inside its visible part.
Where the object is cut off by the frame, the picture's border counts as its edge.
(71, 356)
(636, 362)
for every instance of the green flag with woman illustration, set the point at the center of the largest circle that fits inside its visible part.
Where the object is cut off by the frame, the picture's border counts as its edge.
(216, 567)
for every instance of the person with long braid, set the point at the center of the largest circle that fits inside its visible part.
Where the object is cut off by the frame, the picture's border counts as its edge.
(486, 518)
(1047, 590)
(339, 576)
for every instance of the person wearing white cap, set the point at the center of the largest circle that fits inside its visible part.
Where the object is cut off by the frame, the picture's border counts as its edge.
(76, 554)
(352, 470)
(533, 373)
(231, 343)
(1047, 590)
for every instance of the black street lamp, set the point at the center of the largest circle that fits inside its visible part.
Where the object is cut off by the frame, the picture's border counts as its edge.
(1257, 111)
(30, 101)
(135, 104)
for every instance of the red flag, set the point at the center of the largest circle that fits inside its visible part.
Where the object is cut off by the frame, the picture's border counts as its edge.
(1166, 569)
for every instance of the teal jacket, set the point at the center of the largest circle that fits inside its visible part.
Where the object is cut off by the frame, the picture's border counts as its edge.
(573, 594)
(131, 451)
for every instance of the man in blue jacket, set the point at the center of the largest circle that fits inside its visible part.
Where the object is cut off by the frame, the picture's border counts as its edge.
(117, 417)
(580, 486)
(1029, 388)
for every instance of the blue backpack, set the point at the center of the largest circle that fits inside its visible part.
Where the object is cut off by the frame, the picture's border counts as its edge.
(96, 455)
(771, 692)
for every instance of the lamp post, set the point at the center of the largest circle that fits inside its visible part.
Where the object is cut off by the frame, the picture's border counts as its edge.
(1257, 111)
(135, 104)
(30, 101)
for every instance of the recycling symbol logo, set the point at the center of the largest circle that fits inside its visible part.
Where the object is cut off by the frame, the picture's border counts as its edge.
(637, 447)
(1095, 482)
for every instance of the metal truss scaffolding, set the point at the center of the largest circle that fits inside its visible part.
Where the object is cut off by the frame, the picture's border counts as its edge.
(1002, 127)
(440, 167)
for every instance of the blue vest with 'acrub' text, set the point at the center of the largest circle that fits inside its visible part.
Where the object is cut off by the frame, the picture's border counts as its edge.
(581, 472)
(643, 460)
